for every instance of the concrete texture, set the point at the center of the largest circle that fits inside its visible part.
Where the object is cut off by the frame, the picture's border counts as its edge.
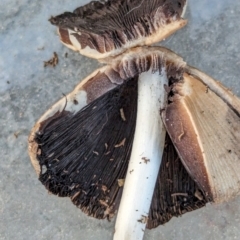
(209, 42)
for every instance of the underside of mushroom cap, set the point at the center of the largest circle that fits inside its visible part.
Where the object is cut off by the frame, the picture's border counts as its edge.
(102, 29)
(75, 153)
(81, 146)
(101, 81)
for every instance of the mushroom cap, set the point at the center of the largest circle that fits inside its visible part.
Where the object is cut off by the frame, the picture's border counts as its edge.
(203, 121)
(103, 29)
(81, 146)
(120, 69)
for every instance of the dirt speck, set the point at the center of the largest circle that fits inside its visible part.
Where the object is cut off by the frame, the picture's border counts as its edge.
(145, 160)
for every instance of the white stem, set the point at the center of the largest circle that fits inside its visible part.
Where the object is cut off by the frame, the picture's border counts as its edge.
(145, 158)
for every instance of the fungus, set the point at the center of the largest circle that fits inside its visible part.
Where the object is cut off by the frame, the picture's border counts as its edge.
(63, 143)
(141, 120)
(210, 122)
(104, 29)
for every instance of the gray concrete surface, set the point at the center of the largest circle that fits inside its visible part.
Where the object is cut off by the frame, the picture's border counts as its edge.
(209, 42)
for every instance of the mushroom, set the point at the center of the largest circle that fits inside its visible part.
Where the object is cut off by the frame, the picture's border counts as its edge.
(103, 29)
(92, 128)
(81, 146)
(144, 109)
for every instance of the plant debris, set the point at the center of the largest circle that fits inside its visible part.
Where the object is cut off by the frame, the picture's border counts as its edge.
(52, 62)
(143, 219)
(123, 115)
(121, 144)
(121, 182)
